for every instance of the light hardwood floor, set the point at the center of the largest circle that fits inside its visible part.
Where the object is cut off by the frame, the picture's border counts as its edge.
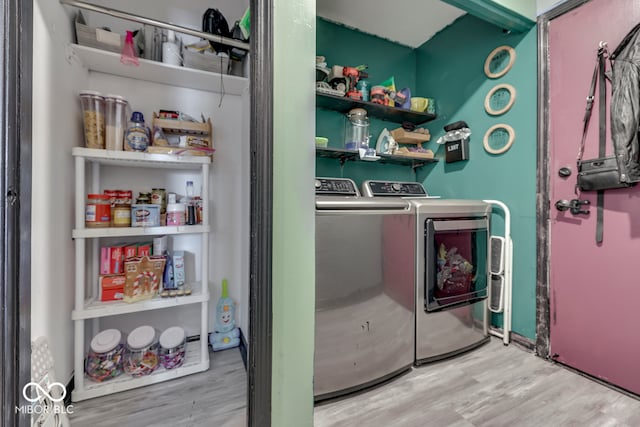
(491, 386)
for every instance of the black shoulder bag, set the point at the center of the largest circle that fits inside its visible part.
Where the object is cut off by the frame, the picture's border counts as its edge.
(601, 173)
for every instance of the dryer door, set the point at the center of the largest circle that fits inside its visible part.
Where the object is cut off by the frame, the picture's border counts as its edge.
(455, 262)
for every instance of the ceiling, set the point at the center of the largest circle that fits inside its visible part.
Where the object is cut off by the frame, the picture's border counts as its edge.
(407, 22)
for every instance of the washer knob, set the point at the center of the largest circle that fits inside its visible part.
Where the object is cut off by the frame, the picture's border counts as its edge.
(396, 186)
(318, 183)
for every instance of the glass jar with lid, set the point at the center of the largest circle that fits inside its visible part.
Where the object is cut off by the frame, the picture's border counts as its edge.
(105, 357)
(141, 355)
(97, 211)
(173, 344)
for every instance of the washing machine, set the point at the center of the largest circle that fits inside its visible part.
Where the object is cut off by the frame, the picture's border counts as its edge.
(451, 255)
(365, 288)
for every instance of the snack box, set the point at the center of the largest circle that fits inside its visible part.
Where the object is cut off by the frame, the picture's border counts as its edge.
(112, 287)
(178, 268)
(112, 260)
(145, 215)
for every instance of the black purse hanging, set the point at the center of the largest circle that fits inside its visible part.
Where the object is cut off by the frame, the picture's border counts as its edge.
(601, 173)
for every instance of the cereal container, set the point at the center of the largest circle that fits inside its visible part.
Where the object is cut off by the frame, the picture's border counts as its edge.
(106, 355)
(93, 109)
(141, 355)
(116, 121)
(173, 343)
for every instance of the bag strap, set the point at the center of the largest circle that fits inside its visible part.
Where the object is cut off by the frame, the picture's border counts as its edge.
(599, 79)
(602, 151)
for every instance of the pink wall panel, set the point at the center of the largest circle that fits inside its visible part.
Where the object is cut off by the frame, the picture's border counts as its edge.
(595, 289)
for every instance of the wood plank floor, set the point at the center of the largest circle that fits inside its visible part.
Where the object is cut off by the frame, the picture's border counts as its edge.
(491, 386)
(211, 398)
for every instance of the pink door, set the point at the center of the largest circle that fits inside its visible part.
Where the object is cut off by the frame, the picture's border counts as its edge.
(594, 289)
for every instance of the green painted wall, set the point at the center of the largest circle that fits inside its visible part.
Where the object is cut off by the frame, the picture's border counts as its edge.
(526, 8)
(293, 213)
(450, 69)
(344, 46)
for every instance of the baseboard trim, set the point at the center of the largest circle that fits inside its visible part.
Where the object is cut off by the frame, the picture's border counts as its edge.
(519, 340)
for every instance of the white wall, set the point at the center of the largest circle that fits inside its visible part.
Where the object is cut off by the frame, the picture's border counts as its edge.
(57, 127)
(543, 6)
(55, 130)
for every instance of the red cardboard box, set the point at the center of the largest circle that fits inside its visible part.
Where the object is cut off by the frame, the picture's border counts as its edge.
(130, 251)
(112, 287)
(112, 260)
(144, 249)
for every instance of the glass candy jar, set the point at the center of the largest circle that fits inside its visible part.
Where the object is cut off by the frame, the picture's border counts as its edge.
(141, 356)
(105, 357)
(173, 344)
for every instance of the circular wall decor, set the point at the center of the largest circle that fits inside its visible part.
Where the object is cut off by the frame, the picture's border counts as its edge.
(500, 99)
(499, 61)
(500, 136)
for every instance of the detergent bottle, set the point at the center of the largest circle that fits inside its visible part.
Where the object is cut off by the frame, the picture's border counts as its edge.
(226, 334)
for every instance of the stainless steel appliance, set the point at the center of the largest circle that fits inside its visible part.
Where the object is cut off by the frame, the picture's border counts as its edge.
(365, 281)
(451, 264)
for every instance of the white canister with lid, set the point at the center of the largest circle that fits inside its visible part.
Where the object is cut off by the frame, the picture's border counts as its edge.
(173, 343)
(105, 357)
(142, 351)
(175, 213)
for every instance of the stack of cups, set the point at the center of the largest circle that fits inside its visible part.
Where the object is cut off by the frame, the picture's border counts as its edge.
(116, 122)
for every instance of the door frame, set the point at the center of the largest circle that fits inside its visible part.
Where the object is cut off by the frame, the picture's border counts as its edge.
(543, 201)
(15, 210)
(15, 207)
(261, 169)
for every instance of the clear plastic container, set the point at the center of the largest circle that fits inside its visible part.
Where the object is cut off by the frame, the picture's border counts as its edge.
(173, 345)
(93, 111)
(116, 121)
(141, 355)
(106, 355)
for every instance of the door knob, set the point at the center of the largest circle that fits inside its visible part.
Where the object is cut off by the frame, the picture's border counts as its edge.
(573, 205)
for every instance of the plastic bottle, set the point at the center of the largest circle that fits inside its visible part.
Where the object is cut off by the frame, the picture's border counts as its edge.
(128, 55)
(137, 136)
(170, 50)
(191, 206)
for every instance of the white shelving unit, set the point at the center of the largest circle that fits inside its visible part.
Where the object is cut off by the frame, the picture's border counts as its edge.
(88, 307)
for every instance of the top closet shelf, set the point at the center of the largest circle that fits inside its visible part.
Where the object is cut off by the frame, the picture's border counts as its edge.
(157, 72)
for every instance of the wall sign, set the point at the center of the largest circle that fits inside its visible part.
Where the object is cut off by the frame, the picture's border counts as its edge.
(499, 61)
(500, 99)
(499, 138)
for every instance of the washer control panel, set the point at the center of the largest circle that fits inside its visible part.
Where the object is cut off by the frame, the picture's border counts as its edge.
(393, 188)
(336, 187)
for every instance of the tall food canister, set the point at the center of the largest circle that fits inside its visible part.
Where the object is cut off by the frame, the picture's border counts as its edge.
(93, 112)
(116, 121)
